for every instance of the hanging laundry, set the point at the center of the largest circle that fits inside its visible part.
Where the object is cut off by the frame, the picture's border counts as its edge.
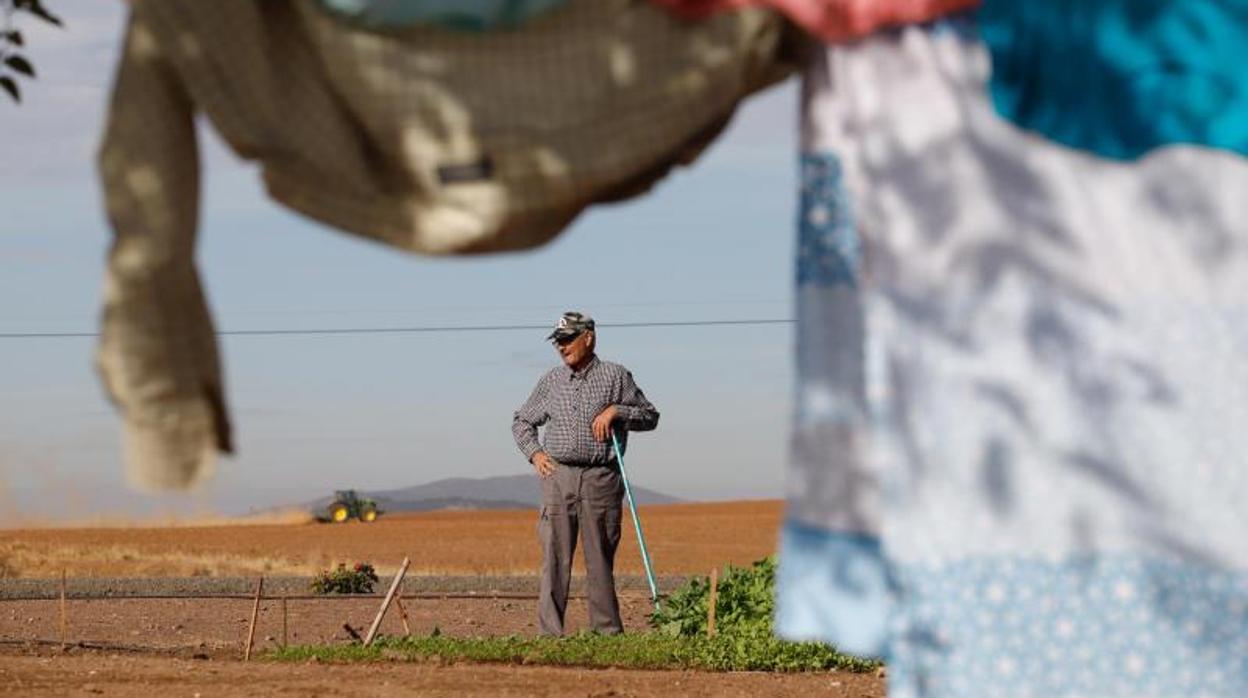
(830, 20)
(469, 15)
(1122, 77)
(427, 140)
(1018, 460)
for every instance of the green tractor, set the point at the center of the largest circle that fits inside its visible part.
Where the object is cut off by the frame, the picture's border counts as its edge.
(348, 504)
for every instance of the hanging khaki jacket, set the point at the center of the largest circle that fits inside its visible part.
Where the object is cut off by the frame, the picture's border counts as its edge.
(426, 139)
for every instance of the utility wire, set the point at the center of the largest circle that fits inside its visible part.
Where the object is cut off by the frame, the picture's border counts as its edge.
(425, 329)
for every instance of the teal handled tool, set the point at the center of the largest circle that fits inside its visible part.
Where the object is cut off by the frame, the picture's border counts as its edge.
(632, 507)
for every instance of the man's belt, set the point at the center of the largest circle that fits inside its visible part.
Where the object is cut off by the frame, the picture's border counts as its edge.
(609, 464)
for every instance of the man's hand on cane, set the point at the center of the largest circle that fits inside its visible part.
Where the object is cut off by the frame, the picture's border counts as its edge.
(602, 423)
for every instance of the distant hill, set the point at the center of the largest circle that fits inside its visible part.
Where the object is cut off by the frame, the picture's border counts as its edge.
(502, 492)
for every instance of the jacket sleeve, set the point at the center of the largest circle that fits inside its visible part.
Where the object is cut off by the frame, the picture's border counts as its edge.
(531, 415)
(157, 354)
(634, 410)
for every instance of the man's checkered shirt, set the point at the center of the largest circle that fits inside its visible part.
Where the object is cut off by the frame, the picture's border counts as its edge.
(567, 402)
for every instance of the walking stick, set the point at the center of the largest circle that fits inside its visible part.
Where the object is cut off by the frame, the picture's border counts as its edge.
(632, 507)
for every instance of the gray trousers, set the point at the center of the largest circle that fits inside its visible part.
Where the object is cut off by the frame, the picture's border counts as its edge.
(588, 500)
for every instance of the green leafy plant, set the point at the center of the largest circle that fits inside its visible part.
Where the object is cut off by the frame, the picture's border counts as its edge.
(651, 650)
(13, 63)
(340, 580)
(745, 602)
(745, 640)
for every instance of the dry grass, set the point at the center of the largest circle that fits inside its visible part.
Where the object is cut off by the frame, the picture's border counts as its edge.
(683, 539)
(275, 518)
(48, 559)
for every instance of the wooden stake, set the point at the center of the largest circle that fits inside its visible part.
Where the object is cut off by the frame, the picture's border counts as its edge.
(711, 603)
(403, 615)
(255, 612)
(385, 605)
(283, 621)
(64, 613)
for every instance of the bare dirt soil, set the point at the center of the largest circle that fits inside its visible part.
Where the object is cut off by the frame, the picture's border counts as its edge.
(220, 625)
(139, 647)
(123, 675)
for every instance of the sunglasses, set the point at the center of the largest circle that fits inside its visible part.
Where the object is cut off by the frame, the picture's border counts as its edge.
(565, 341)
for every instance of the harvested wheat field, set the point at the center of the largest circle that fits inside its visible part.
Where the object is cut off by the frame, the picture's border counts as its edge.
(682, 538)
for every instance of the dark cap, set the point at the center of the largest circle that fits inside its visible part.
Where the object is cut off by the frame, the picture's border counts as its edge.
(571, 325)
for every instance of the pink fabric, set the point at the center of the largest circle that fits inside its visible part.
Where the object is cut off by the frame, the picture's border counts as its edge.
(830, 20)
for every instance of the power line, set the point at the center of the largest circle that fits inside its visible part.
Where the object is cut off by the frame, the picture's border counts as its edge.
(411, 309)
(425, 329)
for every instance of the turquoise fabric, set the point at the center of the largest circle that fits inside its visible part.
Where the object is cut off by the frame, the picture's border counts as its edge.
(469, 15)
(1121, 77)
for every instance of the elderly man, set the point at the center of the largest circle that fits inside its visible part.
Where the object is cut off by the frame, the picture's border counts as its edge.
(580, 403)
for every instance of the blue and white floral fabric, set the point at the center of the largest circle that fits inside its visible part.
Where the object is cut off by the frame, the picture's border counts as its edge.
(1019, 462)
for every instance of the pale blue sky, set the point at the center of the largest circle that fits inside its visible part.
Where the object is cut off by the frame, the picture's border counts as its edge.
(378, 411)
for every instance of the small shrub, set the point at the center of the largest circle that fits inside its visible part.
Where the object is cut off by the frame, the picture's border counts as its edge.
(745, 603)
(357, 580)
